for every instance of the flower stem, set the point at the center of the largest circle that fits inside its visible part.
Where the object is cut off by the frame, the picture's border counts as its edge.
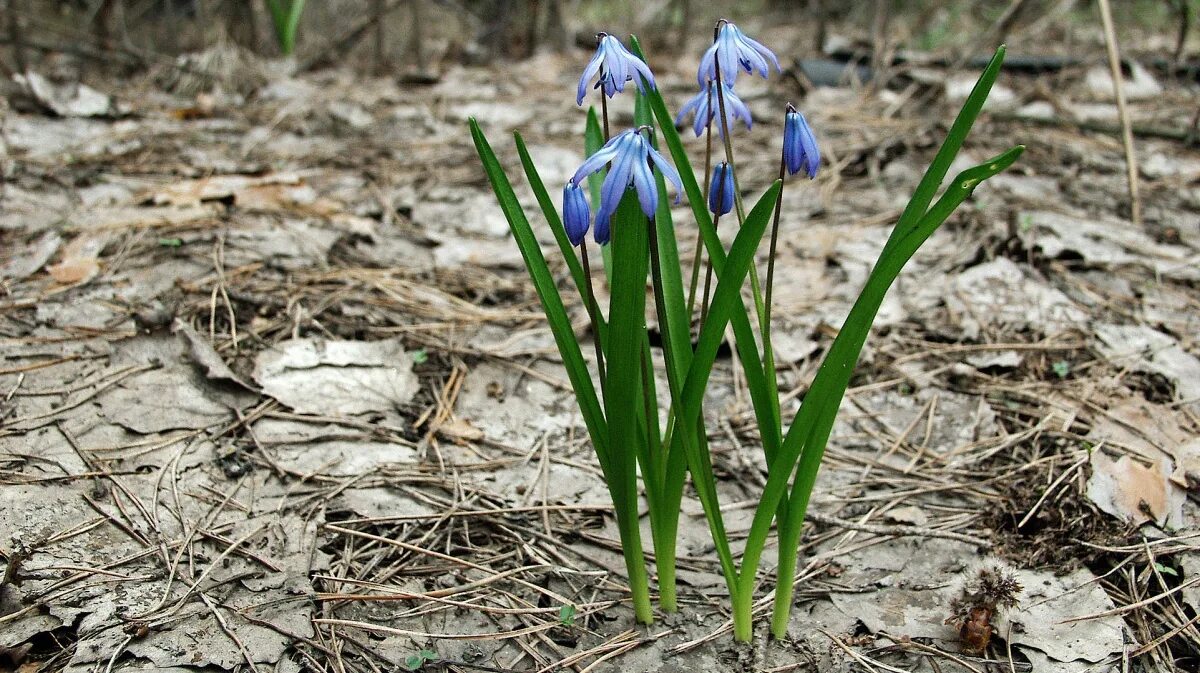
(593, 311)
(763, 322)
(767, 298)
(604, 107)
(699, 238)
(708, 274)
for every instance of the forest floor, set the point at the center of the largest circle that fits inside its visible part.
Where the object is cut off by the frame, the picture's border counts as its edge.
(275, 392)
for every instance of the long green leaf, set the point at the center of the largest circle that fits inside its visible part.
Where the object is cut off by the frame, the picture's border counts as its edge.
(627, 329)
(552, 217)
(955, 137)
(815, 419)
(593, 140)
(552, 305)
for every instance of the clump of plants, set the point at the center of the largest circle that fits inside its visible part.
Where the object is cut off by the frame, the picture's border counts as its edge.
(625, 177)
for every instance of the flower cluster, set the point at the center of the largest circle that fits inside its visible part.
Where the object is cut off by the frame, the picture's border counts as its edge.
(631, 158)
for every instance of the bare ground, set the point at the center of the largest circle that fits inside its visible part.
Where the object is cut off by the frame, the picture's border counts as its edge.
(275, 394)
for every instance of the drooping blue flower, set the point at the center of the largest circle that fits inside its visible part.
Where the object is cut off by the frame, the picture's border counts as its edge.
(720, 189)
(731, 50)
(704, 110)
(616, 66)
(576, 214)
(631, 156)
(799, 146)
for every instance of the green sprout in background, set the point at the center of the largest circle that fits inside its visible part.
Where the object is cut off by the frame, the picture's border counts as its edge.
(285, 18)
(621, 407)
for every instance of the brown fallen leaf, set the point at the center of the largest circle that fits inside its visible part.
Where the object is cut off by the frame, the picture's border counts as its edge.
(1134, 492)
(461, 429)
(74, 271)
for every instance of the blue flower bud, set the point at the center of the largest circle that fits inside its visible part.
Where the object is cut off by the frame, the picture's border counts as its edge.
(720, 189)
(799, 145)
(577, 216)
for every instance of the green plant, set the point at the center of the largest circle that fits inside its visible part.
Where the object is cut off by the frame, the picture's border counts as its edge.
(285, 18)
(622, 412)
(415, 662)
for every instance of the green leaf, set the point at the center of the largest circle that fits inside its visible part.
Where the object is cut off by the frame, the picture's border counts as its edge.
(170, 242)
(286, 21)
(420, 357)
(626, 332)
(809, 432)
(555, 223)
(955, 137)
(593, 140)
(566, 615)
(552, 305)
(1062, 368)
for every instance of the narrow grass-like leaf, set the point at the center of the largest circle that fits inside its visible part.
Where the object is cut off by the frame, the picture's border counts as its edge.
(552, 305)
(286, 21)
(810, 430)
(955, 137)
(627, 329)
(593, 140)
(552, 218)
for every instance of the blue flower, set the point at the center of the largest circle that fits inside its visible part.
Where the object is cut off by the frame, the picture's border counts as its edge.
(699, 106)
(616, 66)
(631, 157)
(720, 189)
(576, 214)
(730, 50)
(799, 146)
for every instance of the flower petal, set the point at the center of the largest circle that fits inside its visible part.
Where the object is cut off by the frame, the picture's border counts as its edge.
(668, 172)
(617, 180)
(647, 190)
(705, 73)
(598, 160)
(590, 71)
(647, 77)
(766, 53)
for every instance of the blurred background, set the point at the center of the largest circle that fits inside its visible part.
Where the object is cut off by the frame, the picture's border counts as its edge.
(421, 36)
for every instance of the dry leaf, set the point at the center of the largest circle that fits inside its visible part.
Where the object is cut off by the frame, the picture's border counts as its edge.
(1135, 493)
(74, 271)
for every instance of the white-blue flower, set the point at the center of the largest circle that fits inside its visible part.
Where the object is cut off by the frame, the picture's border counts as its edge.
(616, 66)
(732, 51)
(631, 156)
(705, 105)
